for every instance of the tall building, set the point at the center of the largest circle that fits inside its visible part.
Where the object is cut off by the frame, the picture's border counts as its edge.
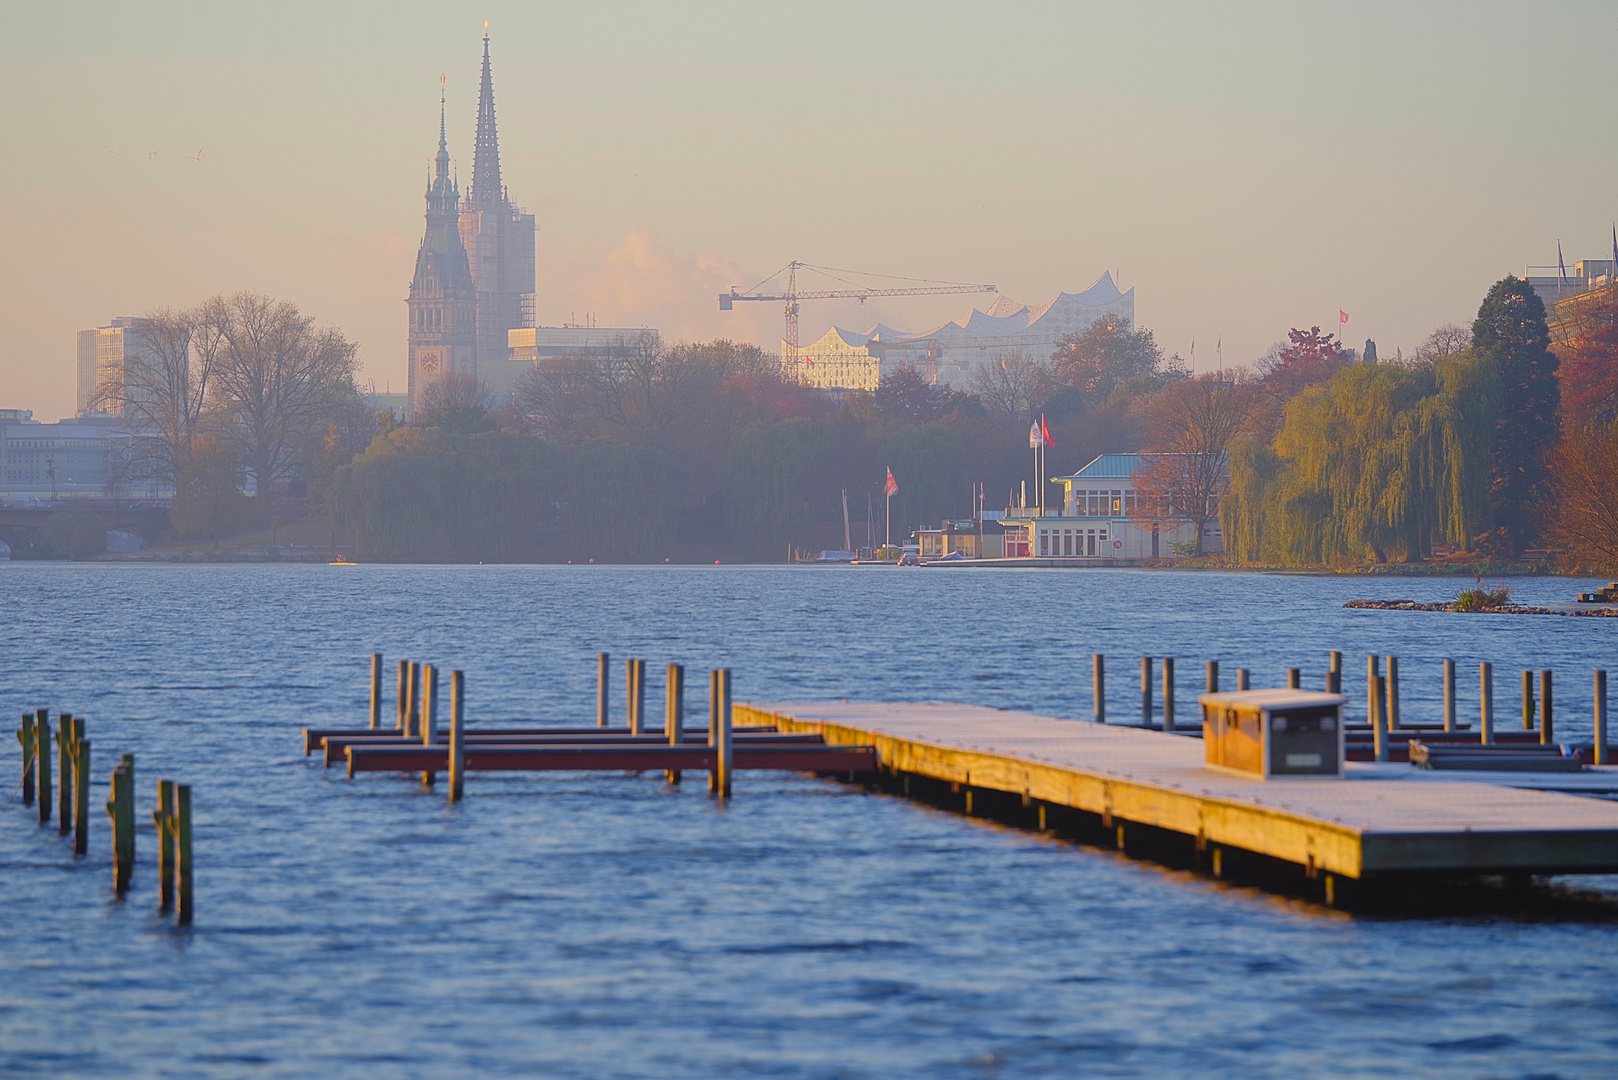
(104, 353)
(498, 237)
(443, 298)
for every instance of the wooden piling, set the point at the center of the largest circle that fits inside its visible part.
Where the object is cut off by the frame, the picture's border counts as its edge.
(376, 690)
(1098, 681)
(457, 737)
(1168, 693)
(724, 758)
(1547, 730)
(1379, 725)
(1528, 701)
(1294, 678)
(42, 757)
(1449, 695)
(413, 711)
(429, 715)
(1242, 679)
(602, 677)
(162, 817)
(674, 713)
(25, 736)
(121, 809)
(1392, 700)
(1213, 676)
(1372, 672)
(1146, 691)
(1334, 674)
(713, 728)
(182, 850)
(66, 760)
(81, 796)
(635, 692)
(404, 695)
(1600, 719)
(1486, 703)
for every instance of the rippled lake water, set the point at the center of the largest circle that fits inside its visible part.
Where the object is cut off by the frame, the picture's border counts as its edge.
(605, 925)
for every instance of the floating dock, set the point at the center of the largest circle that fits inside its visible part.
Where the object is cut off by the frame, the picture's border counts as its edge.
(1376, 823)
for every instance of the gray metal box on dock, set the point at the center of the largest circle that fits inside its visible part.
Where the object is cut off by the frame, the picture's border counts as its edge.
(1274, 733)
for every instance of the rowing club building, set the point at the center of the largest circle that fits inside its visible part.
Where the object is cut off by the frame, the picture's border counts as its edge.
(1096, 521)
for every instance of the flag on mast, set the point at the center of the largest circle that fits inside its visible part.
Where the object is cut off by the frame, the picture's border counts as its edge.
(1045, 432)
(1561, 267)
(1614, 251)
(892, 484)
(1342, 317)
(1033, 436)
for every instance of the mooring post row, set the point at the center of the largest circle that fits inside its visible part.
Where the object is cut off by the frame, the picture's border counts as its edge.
(121, 809)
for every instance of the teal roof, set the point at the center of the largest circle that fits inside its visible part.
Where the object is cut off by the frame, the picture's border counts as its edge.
(1106, 467)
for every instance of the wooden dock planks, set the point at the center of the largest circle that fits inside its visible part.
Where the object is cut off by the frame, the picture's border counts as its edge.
(1362, 826)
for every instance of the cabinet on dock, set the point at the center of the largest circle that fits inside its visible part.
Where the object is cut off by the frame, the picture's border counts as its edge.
(1274, 733)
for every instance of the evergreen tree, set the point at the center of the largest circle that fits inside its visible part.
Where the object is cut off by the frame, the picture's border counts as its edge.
(1510, 335)
(1369, 355)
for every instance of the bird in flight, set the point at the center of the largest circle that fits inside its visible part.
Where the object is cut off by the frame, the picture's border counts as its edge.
(114, 153)
(151, 155)
(198, 157)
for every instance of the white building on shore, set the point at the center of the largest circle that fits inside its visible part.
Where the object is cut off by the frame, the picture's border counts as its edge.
(1096, 520)
(949, 354)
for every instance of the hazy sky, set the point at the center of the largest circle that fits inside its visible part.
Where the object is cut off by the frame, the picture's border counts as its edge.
(1245, 167)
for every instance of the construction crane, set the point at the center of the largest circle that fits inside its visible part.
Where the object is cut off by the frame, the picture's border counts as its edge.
(856, 292)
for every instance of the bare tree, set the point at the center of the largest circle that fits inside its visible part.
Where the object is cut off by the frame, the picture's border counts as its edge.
(1012, 384)
(278, 376)
(167, 375)
(1190, 427)
(1583, 502)
(1447, 340)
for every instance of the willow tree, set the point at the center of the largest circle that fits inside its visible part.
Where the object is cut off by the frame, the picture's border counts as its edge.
(1383, 461)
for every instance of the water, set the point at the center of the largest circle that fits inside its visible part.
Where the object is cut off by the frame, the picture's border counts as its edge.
(602, 926)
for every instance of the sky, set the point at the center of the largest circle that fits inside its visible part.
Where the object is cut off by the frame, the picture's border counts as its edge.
(1245, 167)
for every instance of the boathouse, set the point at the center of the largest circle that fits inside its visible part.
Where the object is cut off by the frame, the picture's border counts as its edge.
(1096, 520)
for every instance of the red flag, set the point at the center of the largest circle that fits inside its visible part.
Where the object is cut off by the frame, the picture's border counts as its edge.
(1045, 432)
(809, 360)
(892, 485)
(1342, 316)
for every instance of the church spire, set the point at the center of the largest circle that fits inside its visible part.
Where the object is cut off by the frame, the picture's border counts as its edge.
(486, 192)
(443, 141)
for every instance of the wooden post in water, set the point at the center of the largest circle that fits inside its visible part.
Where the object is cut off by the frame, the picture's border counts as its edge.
(1146, 691)
(81, 795)
(602, 677)
(1392, 713)
(457, 737)
(413, 715)
(1334, 675)
(1486, 705)
(674, 714)
(1600, 720)
(1098, 680)
(66, 759)
(1528, 701)
(1168, 693)
(1449, 695)
(713, 729)
(1213, 676)
(121, 809)
(404, 695)
(162, 817)
(1294, 678)
(1547, 730)
(42, 756)
(726, 743)
(635, 690)
(1372, 671)
(25, 735)
(429, 715)
(376, 690)
(182, 850)
(1378, 736)
(1242, 678)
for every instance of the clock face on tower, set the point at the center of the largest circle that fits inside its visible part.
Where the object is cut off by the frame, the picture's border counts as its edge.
(429, 363)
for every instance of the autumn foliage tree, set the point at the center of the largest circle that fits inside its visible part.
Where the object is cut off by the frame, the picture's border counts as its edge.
(1583, 497)
(1189, 429)
(1589, 367)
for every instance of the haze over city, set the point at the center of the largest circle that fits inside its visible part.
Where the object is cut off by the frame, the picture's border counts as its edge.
(1245, 169)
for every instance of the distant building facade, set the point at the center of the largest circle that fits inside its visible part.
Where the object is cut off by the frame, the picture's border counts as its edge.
(1587, 274)
(528, 346)
(1096, 520)
(104, 354)
(948, 355)
(79, 458)
(477, 287)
